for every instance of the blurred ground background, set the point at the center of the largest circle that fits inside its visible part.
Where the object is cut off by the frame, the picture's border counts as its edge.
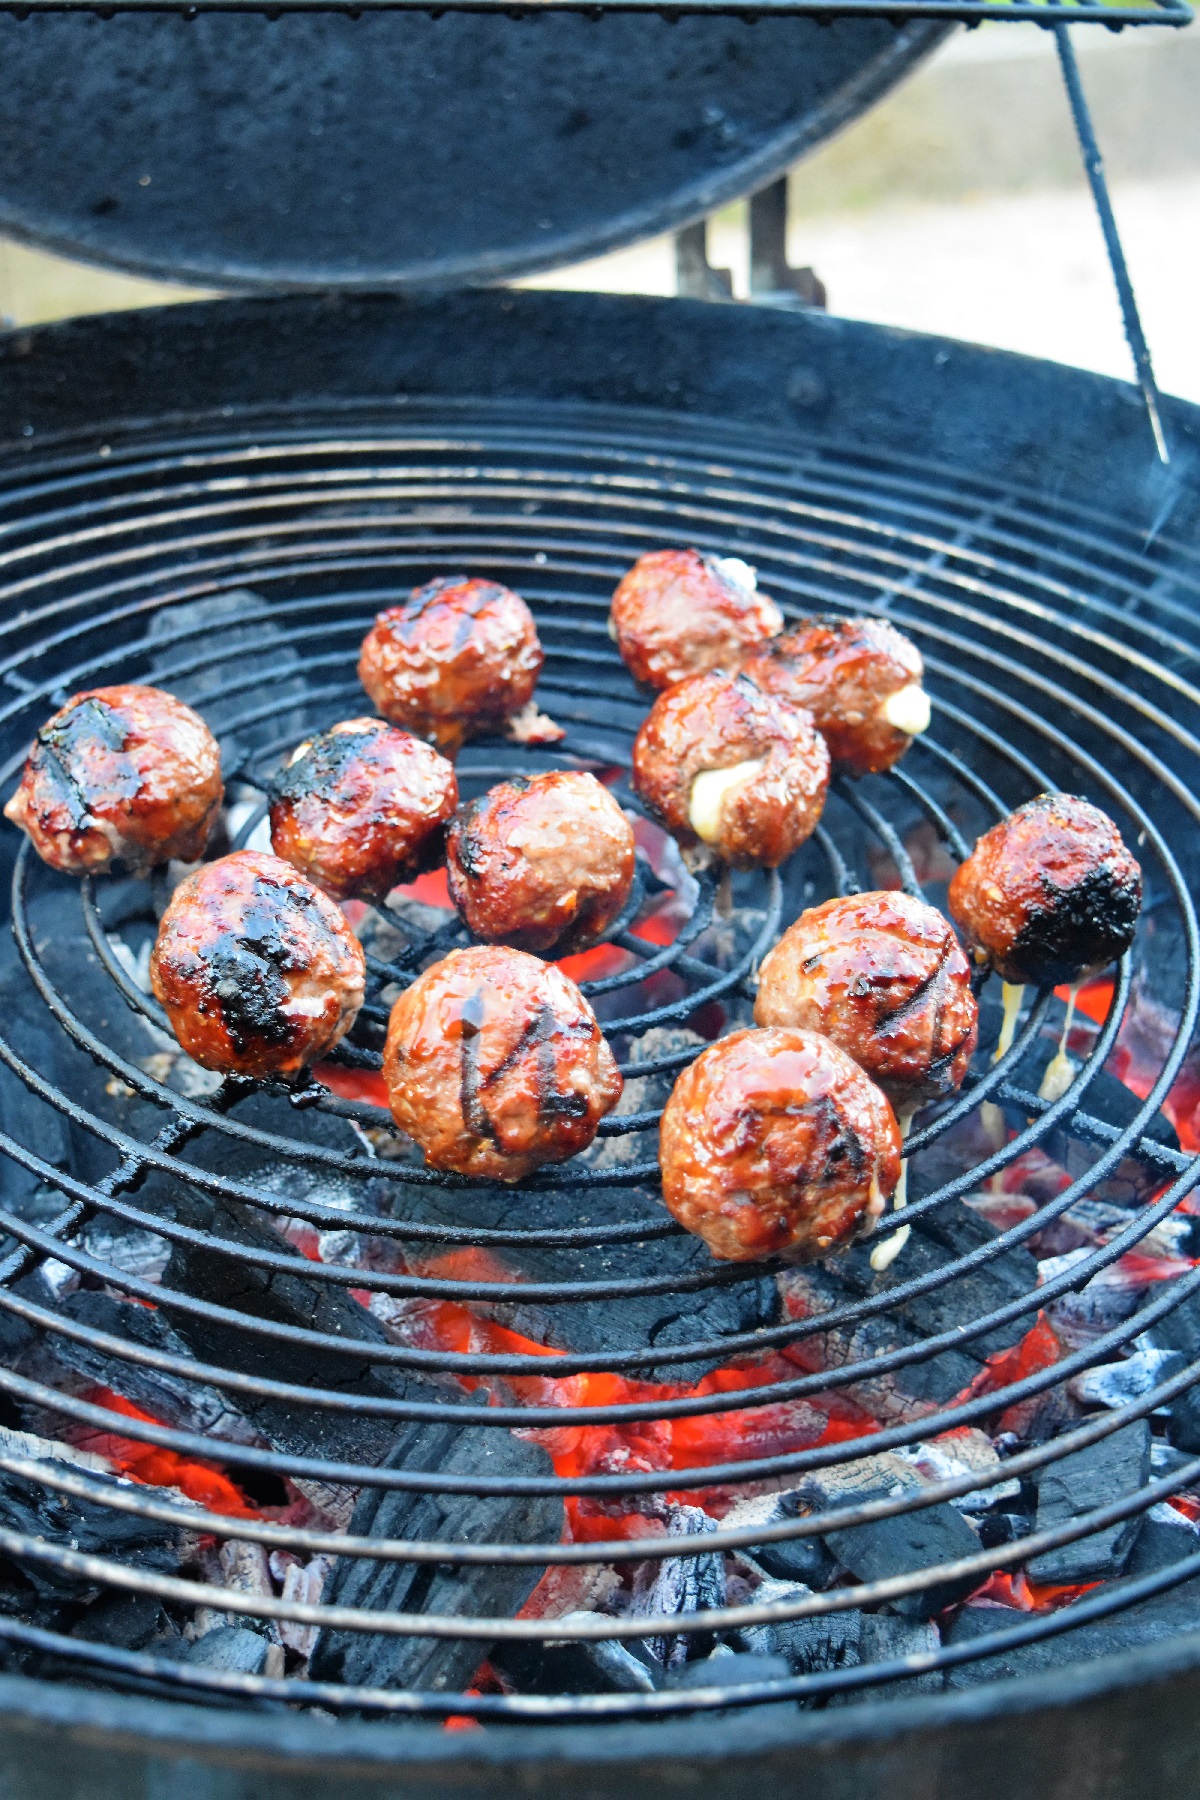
(957, 206)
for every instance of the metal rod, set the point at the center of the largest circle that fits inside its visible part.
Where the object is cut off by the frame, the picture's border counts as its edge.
(1093, 164)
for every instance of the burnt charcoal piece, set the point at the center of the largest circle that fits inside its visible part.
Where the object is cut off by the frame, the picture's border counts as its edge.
(234, 1648)
(433, 1588)
(745, 1301)
(130, 1621)
(938, 1239)
(1160, 1544)
(1103, 1472)
(803, 1559)
(1184, 1427)
(898, 1546)
(85, 1525)
(603, 1666)
(733, 1671)
(809, 1646)
(189, 1404)
(897, 1397)
(843, 1640)
(905, 1545)
(998, 1528)
(1147, 1622)
(681, 1584)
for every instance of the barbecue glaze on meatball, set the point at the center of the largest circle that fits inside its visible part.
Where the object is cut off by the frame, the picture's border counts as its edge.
(881, 974)
(1050, 894)
(120, 774)
(679, 613)
(259, 973)
(494, 1064)
(859, 678)
(360, 807)
(541, 864)
(776, 1142)
(726, 766)
(460, 656)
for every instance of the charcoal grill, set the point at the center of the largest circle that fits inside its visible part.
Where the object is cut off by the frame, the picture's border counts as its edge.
(221, 497)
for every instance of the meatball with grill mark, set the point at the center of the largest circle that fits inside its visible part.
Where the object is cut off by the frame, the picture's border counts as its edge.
(495, 1064)
(259, 973)
(859, 678)
(881, 974)
(678, 613)
(458, 657)
(541, 864)
(361, 807)
(731, 771)
(1050, 894)
(124, 775)
(776, 1143)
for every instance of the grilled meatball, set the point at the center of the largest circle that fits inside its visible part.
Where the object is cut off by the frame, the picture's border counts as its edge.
(679, 613)
(458, 657)
(361, 807)
(883, 976)
(495, 1064)
(259, 973)
(541, 864)
(120, 774)
(861, 681)
(724, 765)
(775, 1141)
(1049, 894)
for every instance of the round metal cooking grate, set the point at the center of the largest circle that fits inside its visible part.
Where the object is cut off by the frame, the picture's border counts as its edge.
(1061, 652)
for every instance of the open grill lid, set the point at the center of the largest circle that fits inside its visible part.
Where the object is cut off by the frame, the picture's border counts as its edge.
(397, 149)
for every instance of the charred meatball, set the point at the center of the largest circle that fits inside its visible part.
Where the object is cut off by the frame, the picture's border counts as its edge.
(775, 1141)
(361, 807)
(495, 1064)
(678, 613)
(120, 775)
(541, 864)
(457, 658)
(883, 976)
(861, 681)
(1049, 894)
(259, 973)
(727, 767)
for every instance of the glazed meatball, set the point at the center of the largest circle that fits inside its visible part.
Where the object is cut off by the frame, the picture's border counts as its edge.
(123, 775)
(544, 864)
(731, 770)
(775, 1141)
(494, 1064)
(883, 976)
(361, 807)
(1049, 894)
(458, 657)
(259, 973)
(861, 681)
(678, 613)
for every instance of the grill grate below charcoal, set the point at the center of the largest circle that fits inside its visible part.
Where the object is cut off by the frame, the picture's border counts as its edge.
(263, 1286)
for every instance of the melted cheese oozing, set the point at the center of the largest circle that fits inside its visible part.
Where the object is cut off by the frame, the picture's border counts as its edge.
(1061, 1070)
(708, 796)
(738, 573)
(907, 710)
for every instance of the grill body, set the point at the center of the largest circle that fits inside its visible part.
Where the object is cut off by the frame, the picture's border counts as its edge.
(1067, 461)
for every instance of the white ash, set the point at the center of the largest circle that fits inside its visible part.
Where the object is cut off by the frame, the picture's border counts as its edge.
(1117, 1383)
(680, 1584)
(142, 1254)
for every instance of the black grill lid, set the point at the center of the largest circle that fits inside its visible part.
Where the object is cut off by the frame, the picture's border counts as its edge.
(400, 149)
